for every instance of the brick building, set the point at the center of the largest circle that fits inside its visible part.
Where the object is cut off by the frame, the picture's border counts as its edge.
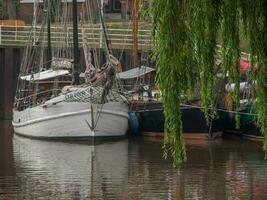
(113, 9)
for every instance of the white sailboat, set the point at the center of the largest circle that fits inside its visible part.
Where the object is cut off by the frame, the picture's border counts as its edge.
(48, 106)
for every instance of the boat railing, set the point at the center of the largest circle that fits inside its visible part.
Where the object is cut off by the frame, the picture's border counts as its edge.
(35, 99)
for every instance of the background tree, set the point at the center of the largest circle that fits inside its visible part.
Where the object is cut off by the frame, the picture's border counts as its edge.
(55, 10)
(9, 9)
(1, 9)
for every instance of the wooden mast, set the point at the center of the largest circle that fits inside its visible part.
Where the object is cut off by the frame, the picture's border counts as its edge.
(49, 46)
(76, 67)
(135, 33)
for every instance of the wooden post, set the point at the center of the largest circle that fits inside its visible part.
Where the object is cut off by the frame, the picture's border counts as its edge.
(2, 64)
(0, 34)
(16, 29)
(16, 66)
(135, 33)
(6, 153)
(8, 83)
(75, 43)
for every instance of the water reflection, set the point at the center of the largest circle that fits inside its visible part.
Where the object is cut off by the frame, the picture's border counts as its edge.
(129, 169)
(69, 170)
(6, 133)
(229, 174)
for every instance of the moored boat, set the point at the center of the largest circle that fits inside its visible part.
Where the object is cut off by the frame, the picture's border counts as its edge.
(248, 128)
(151, 121)
(248, 117)
(70, 120)
(48, 105)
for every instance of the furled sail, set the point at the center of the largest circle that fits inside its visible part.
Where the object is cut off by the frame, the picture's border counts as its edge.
(61, 63)
(90, 71)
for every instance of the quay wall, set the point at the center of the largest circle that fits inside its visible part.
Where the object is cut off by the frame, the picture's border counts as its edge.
(9, 69)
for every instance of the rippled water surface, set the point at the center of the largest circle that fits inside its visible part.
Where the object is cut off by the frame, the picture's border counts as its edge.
(128, 169)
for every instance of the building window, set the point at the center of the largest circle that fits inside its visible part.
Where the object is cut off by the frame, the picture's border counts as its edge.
(112, 6)
(117, 5)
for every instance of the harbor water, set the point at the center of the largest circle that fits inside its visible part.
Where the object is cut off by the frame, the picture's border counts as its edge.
(129, 168)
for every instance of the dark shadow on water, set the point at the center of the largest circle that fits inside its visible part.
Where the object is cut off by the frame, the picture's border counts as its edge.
(76, 140)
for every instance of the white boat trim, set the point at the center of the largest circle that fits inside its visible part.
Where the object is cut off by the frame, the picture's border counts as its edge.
(19, 124)
(45, 75)
(230, 87)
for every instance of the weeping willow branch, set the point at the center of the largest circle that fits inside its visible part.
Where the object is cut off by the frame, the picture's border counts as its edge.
(204, 21)
(230, 48)
(145, 13)
(185, 35)
(256, 24)
(173, 56)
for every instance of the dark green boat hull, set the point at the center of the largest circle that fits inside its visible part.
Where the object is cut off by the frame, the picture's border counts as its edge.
(194, 122)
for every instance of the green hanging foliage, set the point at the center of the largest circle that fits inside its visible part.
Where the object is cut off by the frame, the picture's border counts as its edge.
(9, 9)
(54, 8)
(186, 33)
(230, 48)
(173, 56)
(204, 22)
(17, 5)
(1, 9)
(144, 10)
(256, 29)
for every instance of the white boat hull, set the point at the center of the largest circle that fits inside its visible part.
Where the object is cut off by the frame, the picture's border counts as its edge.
(68, 120)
